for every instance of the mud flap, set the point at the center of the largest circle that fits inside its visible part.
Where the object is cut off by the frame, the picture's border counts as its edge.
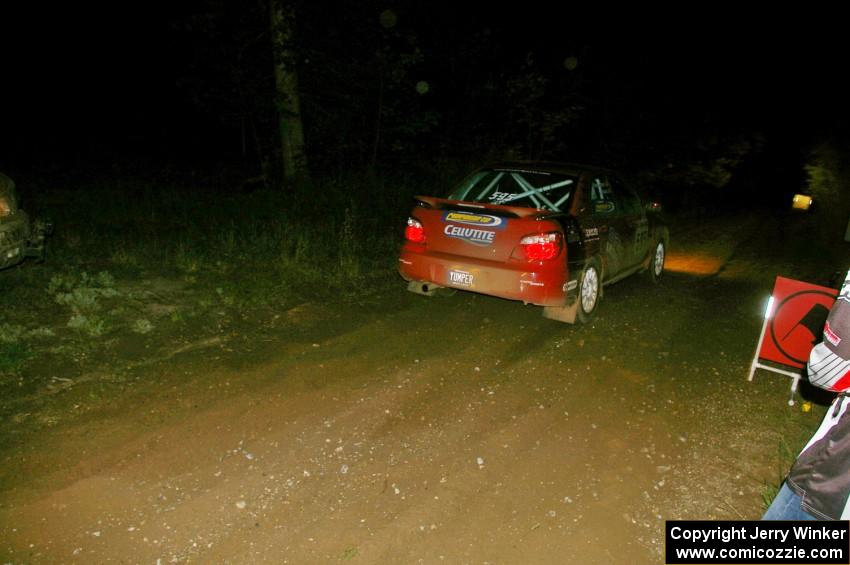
(565, 314)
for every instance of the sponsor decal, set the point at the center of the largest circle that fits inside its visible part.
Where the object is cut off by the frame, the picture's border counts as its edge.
(474, 219)
(830, 335)
(472, 235)
(604, 207)
(501, 197)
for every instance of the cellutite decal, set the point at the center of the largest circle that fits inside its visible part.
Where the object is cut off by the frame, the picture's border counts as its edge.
(472, 235)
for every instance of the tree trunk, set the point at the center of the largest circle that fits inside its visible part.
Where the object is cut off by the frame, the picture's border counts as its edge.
(292, 155)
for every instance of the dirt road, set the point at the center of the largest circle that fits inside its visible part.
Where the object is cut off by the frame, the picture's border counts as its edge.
(412, 430)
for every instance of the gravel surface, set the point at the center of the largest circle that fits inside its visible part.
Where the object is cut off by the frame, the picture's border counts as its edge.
(413, 430)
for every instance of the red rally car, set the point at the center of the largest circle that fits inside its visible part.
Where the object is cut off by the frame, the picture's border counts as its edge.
(549, 234)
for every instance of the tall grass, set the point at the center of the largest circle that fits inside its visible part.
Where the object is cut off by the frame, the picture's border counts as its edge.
(335, 234)
(828, 173)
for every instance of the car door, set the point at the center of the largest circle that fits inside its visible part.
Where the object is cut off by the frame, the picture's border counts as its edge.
(634, 223)
(615, 232)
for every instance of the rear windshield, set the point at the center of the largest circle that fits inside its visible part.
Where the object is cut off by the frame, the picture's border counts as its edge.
(515, 187)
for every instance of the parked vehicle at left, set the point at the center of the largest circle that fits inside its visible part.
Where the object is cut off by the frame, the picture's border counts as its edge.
(19, 237)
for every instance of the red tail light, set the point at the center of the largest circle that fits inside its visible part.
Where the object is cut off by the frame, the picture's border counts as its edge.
(542, 246)
(414, 231)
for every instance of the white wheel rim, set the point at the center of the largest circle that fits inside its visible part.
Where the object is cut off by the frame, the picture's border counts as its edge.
(658, 264)
(589, 289)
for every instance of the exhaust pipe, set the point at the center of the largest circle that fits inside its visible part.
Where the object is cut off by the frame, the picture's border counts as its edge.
(423, 288)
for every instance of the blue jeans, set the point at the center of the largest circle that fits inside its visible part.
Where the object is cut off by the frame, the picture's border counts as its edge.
(786, 506)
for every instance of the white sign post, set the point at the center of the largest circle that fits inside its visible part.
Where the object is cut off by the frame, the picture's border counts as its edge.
(756, 364)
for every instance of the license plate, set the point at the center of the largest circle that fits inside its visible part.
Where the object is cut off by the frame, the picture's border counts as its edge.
(461, 278)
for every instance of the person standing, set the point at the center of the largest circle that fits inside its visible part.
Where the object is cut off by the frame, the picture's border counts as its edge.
(818, 484)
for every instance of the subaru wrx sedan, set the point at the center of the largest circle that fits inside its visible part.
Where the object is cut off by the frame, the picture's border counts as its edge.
(548, 234)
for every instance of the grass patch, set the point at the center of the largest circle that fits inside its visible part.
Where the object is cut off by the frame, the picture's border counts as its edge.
(15, 345)
(336, 231)
(797, 428)
(84, 295)
(135, 263)
(785, 457)
(13, 356)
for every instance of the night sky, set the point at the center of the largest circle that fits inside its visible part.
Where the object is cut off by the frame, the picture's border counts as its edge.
(89, 74)
(79, 80)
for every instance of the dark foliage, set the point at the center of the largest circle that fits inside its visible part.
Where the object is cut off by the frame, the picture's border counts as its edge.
(407, 86)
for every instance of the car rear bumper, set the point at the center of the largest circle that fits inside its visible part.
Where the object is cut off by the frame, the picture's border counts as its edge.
(543, 284)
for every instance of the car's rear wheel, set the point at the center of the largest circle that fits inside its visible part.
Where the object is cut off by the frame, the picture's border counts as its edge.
(589, 292)
(656, 261)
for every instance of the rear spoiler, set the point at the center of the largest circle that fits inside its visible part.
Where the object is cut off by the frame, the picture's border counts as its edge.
(495, 209)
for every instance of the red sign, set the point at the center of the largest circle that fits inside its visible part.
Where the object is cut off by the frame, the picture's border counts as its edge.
(799, 313)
